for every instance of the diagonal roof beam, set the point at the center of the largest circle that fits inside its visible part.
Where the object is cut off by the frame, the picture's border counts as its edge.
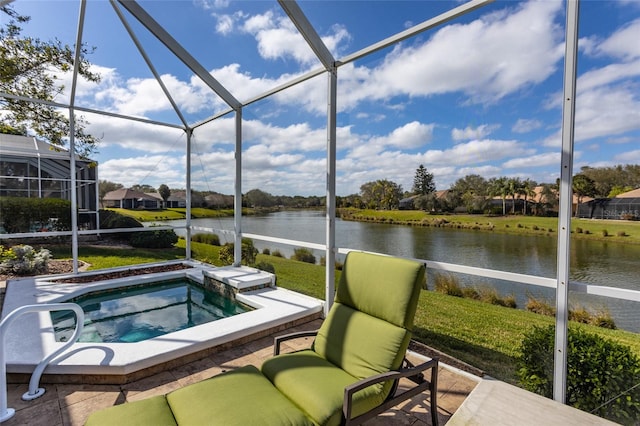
(308, 32)
(181, 53)
(410, 32)
(135, 40)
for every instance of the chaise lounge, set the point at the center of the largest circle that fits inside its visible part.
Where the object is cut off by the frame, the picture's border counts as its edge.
(349, 375)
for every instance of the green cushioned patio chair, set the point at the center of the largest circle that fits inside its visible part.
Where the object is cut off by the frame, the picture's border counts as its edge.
(349, 375)
(351, 372)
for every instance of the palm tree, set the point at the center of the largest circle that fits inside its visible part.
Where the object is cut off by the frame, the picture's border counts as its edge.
(528, 190)
(514, 187)
(500, 187)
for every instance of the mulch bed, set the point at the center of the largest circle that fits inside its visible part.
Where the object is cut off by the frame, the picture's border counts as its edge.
(124, 273)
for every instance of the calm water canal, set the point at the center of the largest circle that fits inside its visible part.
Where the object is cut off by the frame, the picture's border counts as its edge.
(597, 263)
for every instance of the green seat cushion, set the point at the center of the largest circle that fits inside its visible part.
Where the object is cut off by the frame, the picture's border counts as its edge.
(153, 411)
(382, 286)
(240, 397)
(317, 386)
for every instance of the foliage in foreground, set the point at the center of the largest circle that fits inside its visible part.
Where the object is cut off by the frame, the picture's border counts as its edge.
(24, 260)
(603, 376)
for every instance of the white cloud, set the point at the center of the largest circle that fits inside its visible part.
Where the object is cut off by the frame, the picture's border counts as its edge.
(469, 132)
(512, 50)
(539, 160)
(524, 125)
(629, 157)
(149, 169)
(623, 43)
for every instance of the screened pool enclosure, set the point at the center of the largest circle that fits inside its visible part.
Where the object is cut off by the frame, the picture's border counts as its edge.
(230, 132)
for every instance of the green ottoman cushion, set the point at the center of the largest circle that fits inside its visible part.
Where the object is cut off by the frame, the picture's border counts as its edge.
(317, 386)
(152, 412)
(240, 397)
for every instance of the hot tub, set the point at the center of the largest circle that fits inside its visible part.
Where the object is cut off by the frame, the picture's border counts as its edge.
(32, 338)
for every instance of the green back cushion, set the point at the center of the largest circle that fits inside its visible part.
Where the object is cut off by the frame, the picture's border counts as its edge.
(381, 286)
(153, 411)
(360, 344)
(240, 397)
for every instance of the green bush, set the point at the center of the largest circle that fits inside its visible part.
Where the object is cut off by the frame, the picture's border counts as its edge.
(265, 266)
(21, 214)
(211, 239)
(266, 251)
(154, 239)
(249, 252)
(277, 253)
(303, 254)
(602, 375)
(114, 220)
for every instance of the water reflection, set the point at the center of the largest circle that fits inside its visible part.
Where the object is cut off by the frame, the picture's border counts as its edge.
(592, 262)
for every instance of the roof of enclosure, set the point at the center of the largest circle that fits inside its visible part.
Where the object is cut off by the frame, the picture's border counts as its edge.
(459, 88)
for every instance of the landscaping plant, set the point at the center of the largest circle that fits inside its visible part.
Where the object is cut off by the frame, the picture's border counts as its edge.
(603, 376)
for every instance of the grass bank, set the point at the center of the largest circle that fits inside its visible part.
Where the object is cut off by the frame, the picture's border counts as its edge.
(483, 335)
(176, 213)
(594, 229)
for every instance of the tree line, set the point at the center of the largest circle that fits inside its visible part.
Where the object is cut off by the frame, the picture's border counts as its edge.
(476, 194)
(472, 193)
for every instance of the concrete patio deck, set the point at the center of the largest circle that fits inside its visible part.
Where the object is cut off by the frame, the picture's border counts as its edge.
(70, 404)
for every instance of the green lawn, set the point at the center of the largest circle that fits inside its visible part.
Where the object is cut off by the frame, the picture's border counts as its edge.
(485, 336)
(594, 229)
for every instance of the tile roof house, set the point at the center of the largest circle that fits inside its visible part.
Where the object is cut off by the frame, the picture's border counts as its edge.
(125, 198)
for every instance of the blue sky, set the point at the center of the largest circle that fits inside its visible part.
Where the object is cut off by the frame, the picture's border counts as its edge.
(480, 95)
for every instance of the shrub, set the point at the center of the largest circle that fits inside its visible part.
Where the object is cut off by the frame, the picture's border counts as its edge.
(266, 251)
(211, 239)
(491, 295)
(265, 266)
(603, 319)
(605, 233)
(470, 293)
(303, 254)
(621, 234)
(580, 314)
(447, 284)
(277, 253)
(21, 214)
(113, 220)
(154, 239)
(602, 375)
(578, 230)
(24, 260)
(540, 307)
(249, 252)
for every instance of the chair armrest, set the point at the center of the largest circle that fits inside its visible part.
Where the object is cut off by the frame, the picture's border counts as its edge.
(279, 339)
(414, 373)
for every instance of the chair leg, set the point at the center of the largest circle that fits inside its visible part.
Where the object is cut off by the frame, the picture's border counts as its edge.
(433, 391)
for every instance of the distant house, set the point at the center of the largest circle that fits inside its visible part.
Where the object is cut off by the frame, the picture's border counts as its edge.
(623, 206)
(407, 203)
(124, 198)
(35, 169)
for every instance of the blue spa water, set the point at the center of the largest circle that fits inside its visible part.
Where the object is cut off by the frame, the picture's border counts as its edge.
(133, 314)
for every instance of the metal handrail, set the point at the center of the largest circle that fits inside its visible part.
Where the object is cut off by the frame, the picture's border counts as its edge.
(34, 391)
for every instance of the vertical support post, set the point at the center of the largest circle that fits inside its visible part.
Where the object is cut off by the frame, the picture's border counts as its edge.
(566, 202)
(237, 202)
(72, 138)
(189, 133)
(330, 255)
